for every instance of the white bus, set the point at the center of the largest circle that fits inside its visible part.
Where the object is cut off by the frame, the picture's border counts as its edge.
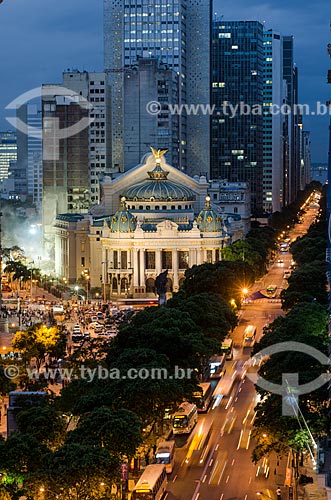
(185, 418)
(216, 366)
(152, 483)
(165, 454)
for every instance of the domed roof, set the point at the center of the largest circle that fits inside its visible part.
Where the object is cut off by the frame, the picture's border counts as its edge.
(123, 221)
(208, 220)
(158, 188)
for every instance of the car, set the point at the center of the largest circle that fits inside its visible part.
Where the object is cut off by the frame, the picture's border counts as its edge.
(287, 274)
(100, 316)
(94, 325)
(77, 329)
(280, 261)
(94, 319)
(87, 335)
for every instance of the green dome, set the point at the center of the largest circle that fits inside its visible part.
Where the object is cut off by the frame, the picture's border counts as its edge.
(123, 221)
(158, 188)
(208, 220)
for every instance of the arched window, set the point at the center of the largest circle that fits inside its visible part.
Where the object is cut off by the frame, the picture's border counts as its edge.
(114, 285)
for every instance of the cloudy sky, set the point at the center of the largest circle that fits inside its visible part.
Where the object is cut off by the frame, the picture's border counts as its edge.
(41, 38)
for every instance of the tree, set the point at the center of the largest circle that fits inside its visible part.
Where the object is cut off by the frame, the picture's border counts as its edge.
(38, 341)
(78, 471)
(307, 284)
(44, 423)
(209, 311)
(119, 432)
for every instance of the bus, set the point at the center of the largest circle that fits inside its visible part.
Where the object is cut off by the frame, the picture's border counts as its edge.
(249, 335)
(216, 366)
(202, 398)
(152, 483)
(271, 290)
(227, 348)
(185, 418)
(165, 454)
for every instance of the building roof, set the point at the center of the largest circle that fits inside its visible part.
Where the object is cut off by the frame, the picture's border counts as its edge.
(123, 221)
(158, 188)
(208, 220)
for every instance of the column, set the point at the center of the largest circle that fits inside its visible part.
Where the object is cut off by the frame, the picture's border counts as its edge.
(111, 259)
(199, 250)
(192, 257)
(142, 267)
(135, 268)
(175, 268)
(158, 261)
(213, 255)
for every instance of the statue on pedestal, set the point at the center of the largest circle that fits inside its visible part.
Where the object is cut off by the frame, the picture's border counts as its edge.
(161, 287)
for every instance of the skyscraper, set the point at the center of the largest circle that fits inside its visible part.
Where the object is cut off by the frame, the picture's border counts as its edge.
(273, 95)
(177, 32)
(8, 152)
(290, 73)
(237, 77)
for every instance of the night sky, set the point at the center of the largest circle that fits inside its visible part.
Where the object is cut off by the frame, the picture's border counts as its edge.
(41, 38)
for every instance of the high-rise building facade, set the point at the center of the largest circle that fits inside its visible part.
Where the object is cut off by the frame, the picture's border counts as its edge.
(273, 122)
(237, 80)
(71, 182)
(177, 32)
(8, 152)
(150, 81)
(290, 74)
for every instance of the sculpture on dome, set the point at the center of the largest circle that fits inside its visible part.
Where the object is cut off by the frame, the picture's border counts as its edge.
(161, 287)
(158, 154)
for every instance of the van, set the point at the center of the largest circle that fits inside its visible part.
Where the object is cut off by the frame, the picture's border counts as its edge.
(249, 335)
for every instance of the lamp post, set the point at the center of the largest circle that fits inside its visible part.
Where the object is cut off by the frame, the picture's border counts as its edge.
(86, 276)
(105, 280)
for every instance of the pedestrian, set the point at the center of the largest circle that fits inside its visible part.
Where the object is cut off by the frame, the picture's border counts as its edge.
(147, 458)
(279, 494)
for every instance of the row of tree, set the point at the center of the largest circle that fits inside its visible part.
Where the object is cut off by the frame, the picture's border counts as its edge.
(306, 322)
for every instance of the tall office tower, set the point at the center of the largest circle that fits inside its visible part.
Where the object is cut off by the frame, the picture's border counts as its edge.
(273, 123)
(8, 152)
(290, 75)
(33, 118)
(237, 77)
(71, 183)
(306, 160)
(177, 32)
(148, 81)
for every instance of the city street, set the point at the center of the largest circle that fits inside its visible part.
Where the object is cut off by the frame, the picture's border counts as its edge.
(228, 473)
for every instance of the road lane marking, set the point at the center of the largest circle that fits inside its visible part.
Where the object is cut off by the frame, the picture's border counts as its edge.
(166, 496)
(250, 480)
(204, 479)
(233, 461)
(248, 440)
(241, 435)
(196, 498)
(222, 496)
(228, 403)
(211, 462)
(217, 446)
(245, 497)
(227, 479)
(236, 400)
(174, 479)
